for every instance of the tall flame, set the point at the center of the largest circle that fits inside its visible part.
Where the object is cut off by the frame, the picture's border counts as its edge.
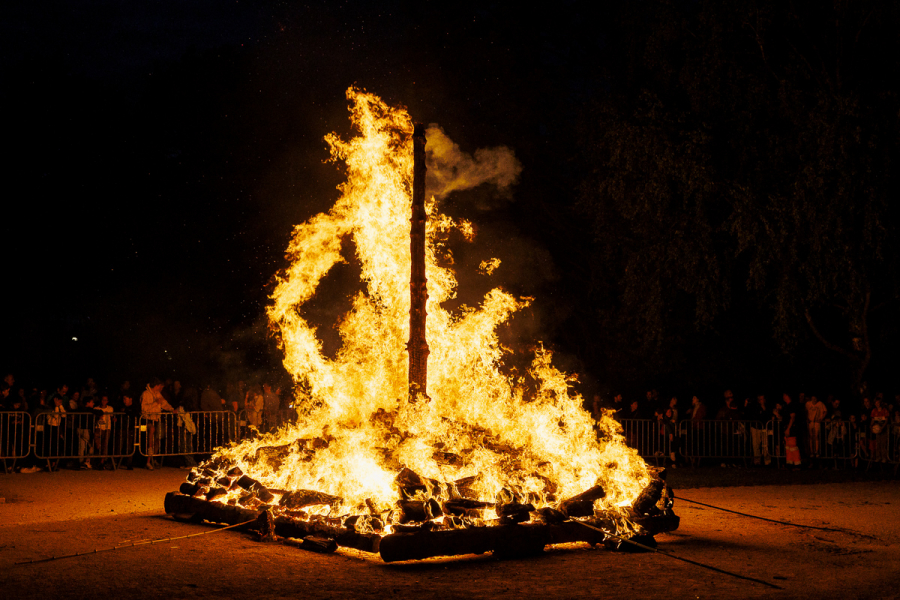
(534, 440)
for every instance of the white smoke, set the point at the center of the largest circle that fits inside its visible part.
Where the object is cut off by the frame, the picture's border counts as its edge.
(450, 169)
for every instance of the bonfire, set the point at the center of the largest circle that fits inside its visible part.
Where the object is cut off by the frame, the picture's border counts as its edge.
(482, 451)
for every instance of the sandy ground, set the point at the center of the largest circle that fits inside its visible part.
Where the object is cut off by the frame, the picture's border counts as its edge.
(51, 514)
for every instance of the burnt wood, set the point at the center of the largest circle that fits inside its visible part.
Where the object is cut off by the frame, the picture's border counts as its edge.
(216, 512)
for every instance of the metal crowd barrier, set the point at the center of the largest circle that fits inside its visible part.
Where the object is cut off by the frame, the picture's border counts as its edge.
(169, 434)
(724, 440)
(81, 436)
(15, 437)
(649, 437)
(266, 421)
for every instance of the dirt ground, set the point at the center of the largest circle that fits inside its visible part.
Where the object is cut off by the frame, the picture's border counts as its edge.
(52, 514)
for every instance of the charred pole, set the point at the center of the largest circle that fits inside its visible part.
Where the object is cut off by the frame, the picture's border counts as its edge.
(417, 347)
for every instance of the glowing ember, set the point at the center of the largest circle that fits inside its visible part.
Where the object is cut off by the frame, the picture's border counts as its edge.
(484, 429)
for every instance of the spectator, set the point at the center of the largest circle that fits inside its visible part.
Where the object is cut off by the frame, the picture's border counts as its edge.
(89, 390)
(10, 382)
(836, 432)
(697, 441)
(187, 429)
(255, 402)
(23, 401)
(152, 406)
(792, 423)
(670, 426)
(131, 413)
(865, 424)
(815, 415)
(190, 400)
(103, 421)
(895, 434)
(56, 442)
(124, 389)
(210, 400)
(759, 414)
(84, 427)
(617, 406)
(880, 429)
(273, 405)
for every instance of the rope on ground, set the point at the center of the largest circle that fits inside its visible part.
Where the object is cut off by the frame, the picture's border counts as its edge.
(728, 510)
(676, 557)
(133, 544)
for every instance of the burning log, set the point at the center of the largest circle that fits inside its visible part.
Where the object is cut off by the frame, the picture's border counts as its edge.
(504, 540)
(217, 512)
(464, 505)
(418, 510)
(582, 505)
(645, 503)
(514, 512)
(303, 498)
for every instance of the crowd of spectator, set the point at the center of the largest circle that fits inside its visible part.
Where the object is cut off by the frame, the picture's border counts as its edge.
(79, 419)
(801, 428)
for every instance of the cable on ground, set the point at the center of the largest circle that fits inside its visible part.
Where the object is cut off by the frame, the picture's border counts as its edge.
(676, 557)
(132, 545)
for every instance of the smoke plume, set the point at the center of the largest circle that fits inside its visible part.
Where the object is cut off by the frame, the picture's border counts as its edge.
(450, 169)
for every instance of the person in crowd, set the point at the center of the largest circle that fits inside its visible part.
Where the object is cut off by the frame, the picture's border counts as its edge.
(791, 425)
(836, 432)
(89, 390)
(22, 399)
(272, 406)
(131, 414)
(759, 415)
(732, 441)
(10, 381)
(152, 405)
(895, 435)
(56, 442)
(102, 427)
(187, 429)
(879, 424)
(124, 389)
(4, 397)
(857, 434)
(865, 424)
(696, 442)
(815, 416)
(14, 435)
(617, 406)
(255, 403)
(210, 400)
(190, 399)
(670, 428)
(83, 416)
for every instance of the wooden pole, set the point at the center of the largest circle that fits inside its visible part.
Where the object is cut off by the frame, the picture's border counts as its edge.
(417, 347)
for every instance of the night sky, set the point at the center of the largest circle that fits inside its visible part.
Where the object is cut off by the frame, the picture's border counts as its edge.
(159, 154)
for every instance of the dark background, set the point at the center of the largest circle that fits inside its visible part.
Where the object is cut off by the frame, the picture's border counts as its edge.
(158, 155)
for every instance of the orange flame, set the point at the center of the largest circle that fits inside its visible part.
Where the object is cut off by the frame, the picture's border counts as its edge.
(537, 442)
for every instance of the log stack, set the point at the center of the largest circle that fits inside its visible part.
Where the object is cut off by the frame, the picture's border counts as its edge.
(421, 526)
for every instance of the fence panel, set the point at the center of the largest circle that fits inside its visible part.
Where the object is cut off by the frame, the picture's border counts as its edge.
(15, 436)
(648, 436)
(169, 434)
(723, 440)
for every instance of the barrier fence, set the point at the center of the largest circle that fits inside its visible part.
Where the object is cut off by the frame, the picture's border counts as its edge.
(15, 437)
(741, 441)
(74, 436)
